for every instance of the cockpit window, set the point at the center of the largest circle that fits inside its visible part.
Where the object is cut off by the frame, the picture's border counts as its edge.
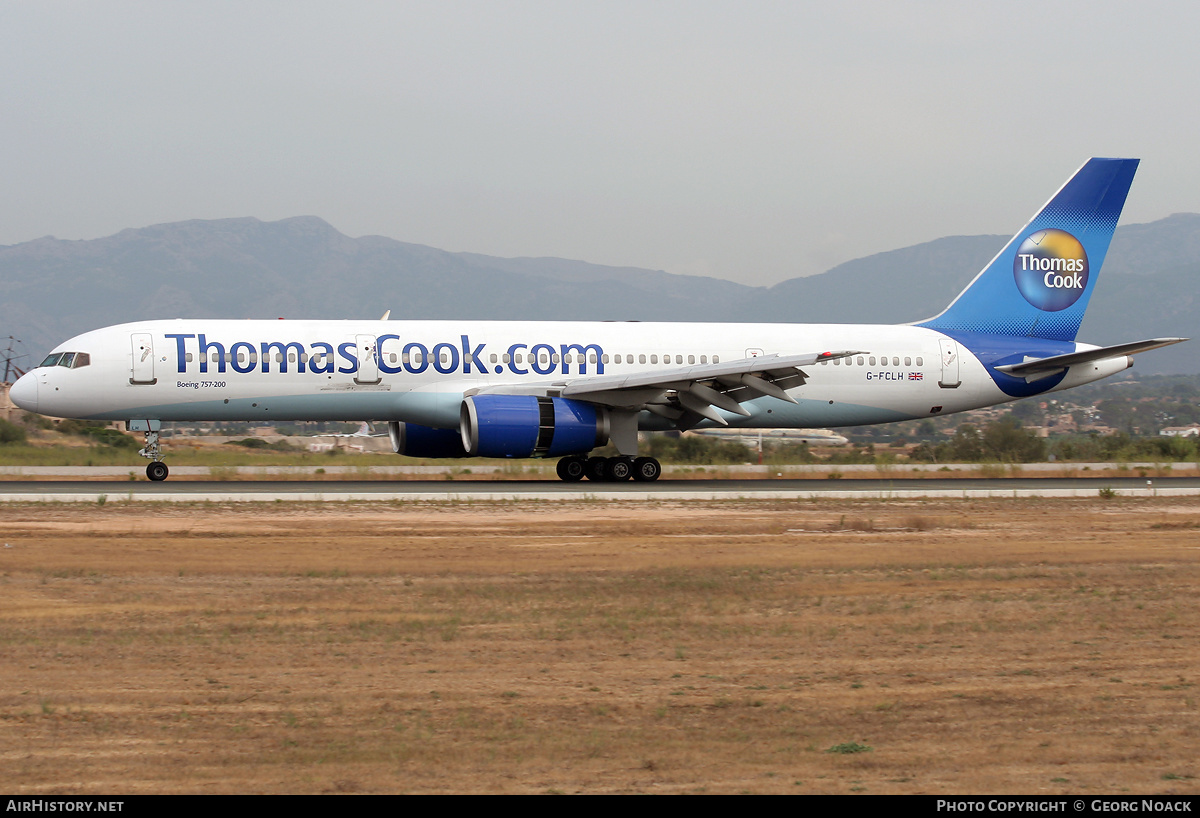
(71, 360)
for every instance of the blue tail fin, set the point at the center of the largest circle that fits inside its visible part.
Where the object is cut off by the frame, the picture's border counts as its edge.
(1038, 286)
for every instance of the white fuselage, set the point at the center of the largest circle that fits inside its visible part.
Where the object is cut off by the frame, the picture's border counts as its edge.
(419, 371)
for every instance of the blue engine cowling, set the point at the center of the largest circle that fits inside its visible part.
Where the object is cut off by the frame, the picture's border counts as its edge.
(528, 426)
(421, 441)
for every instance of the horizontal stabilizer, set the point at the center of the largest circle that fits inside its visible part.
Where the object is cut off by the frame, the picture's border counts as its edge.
(1042, 367)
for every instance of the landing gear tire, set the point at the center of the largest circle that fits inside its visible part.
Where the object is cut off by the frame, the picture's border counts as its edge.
(571, 469)
(157, 470)
(597, 469)
(620, 469)
(646, 470)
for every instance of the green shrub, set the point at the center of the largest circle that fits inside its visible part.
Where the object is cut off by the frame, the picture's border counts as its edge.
(11, 433)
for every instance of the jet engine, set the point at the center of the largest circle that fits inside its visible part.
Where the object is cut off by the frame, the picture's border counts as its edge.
(529, 426)
(422, 441)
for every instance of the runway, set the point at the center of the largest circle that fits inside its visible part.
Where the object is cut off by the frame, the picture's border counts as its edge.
(185, 491)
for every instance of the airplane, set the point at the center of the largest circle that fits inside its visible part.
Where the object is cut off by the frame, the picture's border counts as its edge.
(338, 441)
(562, 389)
(365, 429)
(822, 437)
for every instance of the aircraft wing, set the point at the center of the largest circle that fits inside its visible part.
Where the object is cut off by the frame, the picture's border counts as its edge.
(1035, 369)
(685, 395)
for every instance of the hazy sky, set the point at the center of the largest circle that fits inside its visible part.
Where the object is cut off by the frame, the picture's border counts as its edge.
(749, 141)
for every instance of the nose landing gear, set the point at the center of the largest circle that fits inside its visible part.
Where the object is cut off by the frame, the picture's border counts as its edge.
(156, 470)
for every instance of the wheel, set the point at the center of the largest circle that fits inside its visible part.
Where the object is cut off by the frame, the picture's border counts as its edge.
(646, 470)
(571, 468)
(157, 471)
(620, 468)
(597, 468)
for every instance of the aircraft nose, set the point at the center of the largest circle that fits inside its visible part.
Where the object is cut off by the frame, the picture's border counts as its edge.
(24, 392)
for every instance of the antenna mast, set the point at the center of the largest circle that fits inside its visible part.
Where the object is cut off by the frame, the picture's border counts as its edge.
(11, 356)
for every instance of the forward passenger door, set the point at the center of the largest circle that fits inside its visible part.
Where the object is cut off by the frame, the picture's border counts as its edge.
(142, 368)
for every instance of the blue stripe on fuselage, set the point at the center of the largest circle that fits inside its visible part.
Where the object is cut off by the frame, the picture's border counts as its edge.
(1001, 350)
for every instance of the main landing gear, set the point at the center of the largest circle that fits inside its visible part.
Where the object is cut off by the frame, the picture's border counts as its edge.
(609, 469)
(156, 470)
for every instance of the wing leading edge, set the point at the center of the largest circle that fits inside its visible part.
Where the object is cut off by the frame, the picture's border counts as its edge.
(685, 395)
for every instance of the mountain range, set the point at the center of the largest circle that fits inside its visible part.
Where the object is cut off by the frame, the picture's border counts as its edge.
(304, 268)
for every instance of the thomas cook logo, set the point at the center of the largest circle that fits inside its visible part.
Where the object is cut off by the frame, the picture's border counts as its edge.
(1051, 269)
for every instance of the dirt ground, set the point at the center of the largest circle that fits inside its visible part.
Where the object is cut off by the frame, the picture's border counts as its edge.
(991, 646)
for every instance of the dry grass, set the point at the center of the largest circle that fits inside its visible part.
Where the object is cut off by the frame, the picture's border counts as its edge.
(941, 647)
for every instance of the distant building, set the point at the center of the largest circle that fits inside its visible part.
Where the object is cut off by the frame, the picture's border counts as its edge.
(1182, 431)
(7, 410)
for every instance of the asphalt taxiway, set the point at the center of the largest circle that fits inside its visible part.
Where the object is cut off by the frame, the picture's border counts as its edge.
(196, 491)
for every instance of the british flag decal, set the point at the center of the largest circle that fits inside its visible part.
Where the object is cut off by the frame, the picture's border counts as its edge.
(916, 376)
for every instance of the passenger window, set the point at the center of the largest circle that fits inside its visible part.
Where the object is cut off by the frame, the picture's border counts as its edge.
(920, 361)
(641, 359)
(241, 357)
(216, 357)
(871, 360)
(554, 358)
(896, 361)
(716, 359)
(604, 359)
(592, 358)
(493, 357)
(860, 360)
(505, 359)
(189, 357)
(653, 359)
(907, 361)
(691, 359)
(837, 361)
(703, 359)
